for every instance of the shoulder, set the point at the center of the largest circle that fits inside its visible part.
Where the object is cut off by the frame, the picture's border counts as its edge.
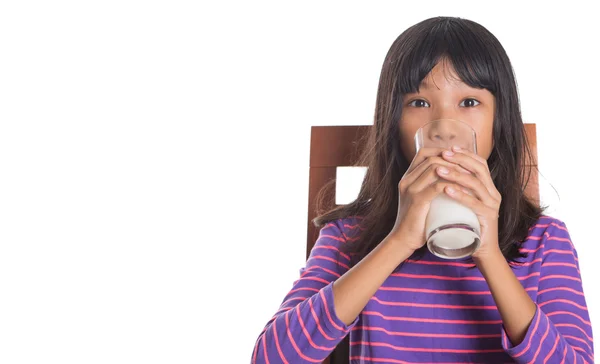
(546, 221)
(546, 227)
(350, 223)
(342, 230)
(548, 235)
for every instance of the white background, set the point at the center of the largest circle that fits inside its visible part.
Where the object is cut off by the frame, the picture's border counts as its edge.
(154, 158)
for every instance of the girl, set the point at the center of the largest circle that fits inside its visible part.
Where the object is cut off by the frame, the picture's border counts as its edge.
(517, 299)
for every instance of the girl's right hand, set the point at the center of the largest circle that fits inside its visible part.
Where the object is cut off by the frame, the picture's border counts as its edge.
(418, 187)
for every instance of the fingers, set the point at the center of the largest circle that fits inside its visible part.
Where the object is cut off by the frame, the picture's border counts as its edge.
(437, 188)
(470, 181)
(471, 202)
(466, 161)
(430, 163)
(476, 165)
(422, 181)
(475, 156)
(422, 155)
(413, 174)
(431, 180)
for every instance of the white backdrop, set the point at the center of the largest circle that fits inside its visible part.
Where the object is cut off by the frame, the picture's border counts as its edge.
(154, 158)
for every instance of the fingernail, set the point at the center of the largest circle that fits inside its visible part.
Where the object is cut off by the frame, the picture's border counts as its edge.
(448, 153)
(456, 148)
(443, 170)
(450, 190)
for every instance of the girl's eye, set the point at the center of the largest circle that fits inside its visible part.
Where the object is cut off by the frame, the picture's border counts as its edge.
(469, 103)
(418, 103)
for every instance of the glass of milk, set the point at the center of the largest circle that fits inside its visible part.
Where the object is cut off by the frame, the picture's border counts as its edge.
(452, 229)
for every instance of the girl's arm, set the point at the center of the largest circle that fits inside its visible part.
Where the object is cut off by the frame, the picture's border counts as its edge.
(556, 328)
(323, 305)
(355, 288)
(514, 304)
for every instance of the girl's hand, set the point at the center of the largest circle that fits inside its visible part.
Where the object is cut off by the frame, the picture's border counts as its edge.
(419, 185)
(480, 195)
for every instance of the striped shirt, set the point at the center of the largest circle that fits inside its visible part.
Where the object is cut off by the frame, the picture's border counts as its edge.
(433, 310)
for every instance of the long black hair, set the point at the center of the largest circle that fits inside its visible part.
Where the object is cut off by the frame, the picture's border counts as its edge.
(481, 62)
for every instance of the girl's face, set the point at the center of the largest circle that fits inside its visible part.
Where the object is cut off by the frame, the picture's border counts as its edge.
(443, 95)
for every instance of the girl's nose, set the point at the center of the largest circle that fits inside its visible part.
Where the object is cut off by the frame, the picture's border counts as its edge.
(443, 132)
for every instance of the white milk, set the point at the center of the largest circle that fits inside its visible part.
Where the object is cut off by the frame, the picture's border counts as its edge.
(452, 242)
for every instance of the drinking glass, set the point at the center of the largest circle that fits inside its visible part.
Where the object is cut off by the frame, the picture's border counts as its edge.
(452, 230)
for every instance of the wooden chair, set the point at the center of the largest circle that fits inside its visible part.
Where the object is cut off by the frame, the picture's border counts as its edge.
(340, 146)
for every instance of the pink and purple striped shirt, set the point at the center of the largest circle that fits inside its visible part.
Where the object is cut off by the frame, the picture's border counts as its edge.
(433, 310)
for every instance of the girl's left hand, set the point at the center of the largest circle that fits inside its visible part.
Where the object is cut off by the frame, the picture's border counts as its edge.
(483, 198)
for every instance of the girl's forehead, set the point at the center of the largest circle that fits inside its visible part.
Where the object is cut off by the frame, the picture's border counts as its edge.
(441, 72)
(442, 76)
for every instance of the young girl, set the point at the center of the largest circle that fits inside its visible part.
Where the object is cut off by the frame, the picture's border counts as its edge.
(518, 298)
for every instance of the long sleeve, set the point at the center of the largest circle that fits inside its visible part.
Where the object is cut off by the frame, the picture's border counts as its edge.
(306, 327)
(560, 331)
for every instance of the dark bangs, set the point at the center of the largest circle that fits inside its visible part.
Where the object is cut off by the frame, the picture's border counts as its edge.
(447, 40)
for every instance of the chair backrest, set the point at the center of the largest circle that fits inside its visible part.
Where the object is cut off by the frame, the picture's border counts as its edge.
(340, 146)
